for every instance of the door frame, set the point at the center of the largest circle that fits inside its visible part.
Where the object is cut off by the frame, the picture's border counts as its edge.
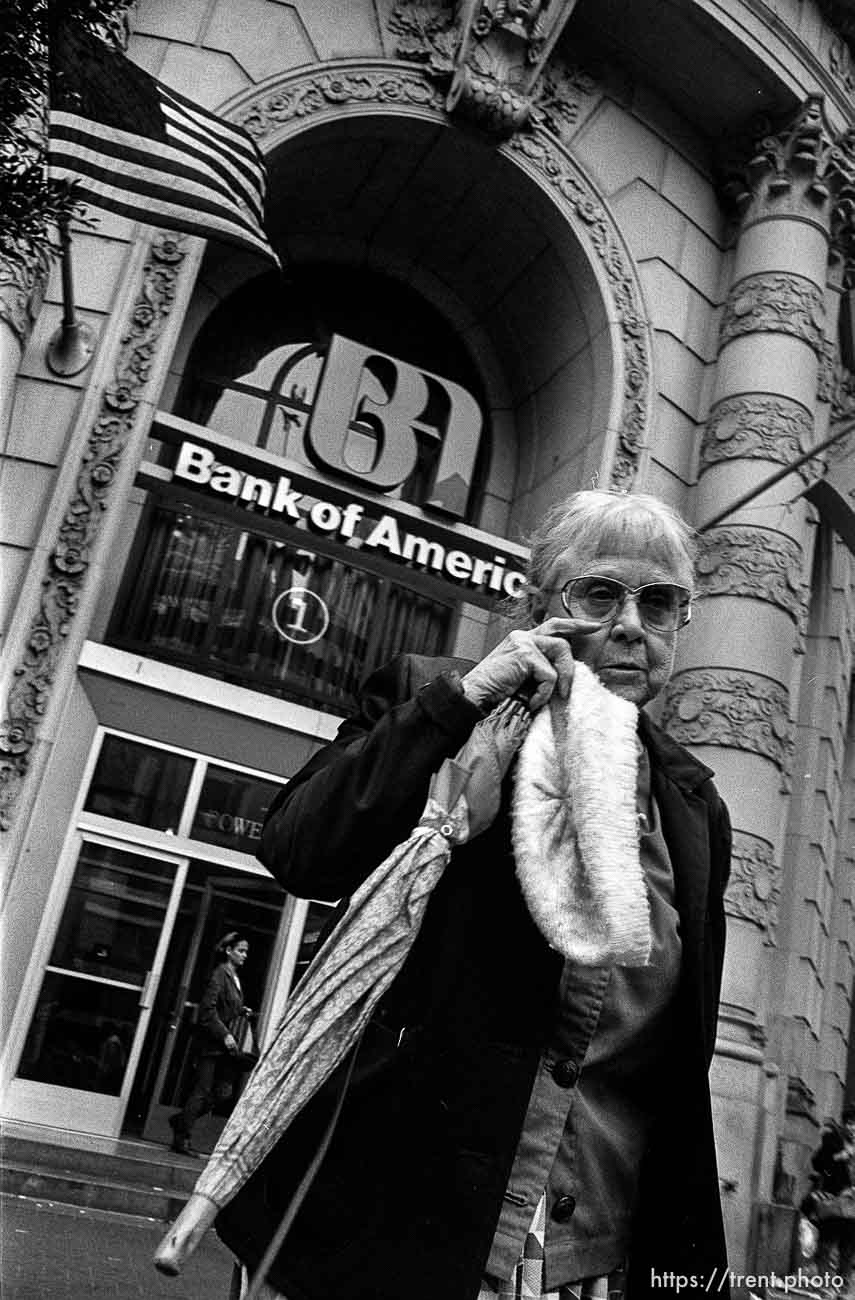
(35, 1101)
(154, 1127)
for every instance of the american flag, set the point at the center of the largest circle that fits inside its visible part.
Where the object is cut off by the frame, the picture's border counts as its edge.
(136, 147)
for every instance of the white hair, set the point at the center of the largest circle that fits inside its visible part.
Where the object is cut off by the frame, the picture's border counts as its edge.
(593, 522)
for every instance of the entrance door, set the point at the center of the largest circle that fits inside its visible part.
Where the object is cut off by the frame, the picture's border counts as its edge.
(211, 906)
(93, 1010)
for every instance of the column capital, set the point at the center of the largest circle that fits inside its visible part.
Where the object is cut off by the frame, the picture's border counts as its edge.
(795, 167)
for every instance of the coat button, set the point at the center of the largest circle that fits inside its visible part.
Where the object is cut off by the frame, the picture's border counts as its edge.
(565, 1073)
(563, 1209)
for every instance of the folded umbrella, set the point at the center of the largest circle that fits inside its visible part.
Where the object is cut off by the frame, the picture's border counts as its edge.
(350, 973)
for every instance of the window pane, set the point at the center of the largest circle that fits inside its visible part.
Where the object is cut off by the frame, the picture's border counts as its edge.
(138, 783)
(232, 808)
(80, 1035)
(113, 914)
(249, 608)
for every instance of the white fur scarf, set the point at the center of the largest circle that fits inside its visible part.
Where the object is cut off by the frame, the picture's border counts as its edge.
(575, 827)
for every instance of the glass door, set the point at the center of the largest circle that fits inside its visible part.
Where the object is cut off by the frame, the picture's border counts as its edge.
(214, 902)
(100, 982)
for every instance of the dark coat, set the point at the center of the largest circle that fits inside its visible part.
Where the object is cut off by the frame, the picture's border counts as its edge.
(408, 1196)
(219, 1008)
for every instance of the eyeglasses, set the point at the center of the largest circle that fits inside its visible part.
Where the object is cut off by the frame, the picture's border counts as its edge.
(662, 606)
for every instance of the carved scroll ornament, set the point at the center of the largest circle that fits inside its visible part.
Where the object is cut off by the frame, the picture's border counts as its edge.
(753, 562)
(775, 303)
(754, 889)
(757, 426)
(68, 564)
(740, 710)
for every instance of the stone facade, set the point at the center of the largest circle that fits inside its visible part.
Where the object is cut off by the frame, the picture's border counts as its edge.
(644, 309)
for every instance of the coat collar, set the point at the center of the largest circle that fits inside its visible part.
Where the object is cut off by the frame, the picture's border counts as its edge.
(682, 767)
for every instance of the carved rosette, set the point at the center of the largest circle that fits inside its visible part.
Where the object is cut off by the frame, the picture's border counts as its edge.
(739, 710)
(68, 564)
(775, 303)
(758, 426)
(309, 94)
(753, 562)
(754, 889)
(23, 277)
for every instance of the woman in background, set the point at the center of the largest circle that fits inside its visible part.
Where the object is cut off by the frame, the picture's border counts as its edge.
(217, 1066)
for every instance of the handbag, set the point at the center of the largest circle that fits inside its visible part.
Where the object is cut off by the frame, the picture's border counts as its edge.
(247, 1047)
(835, 1207)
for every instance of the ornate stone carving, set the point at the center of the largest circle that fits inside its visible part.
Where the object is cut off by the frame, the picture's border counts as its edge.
(307, 94)
(493, 50)
(558, 170)
(775, 303)
(558, 100)
(23, 277)
(313, 94)
(430, 34)
(67, 566)
(740, 710)
(841, 64)
(842, 393)
(753, 562)
(754, 888)
(427, 33)
(825, 380)
(799, 164)
(757, 426)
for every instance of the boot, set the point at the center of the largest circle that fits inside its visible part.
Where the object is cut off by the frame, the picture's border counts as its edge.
(180, 1140)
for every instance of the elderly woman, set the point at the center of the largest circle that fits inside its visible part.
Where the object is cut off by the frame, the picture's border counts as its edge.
(517, 1123)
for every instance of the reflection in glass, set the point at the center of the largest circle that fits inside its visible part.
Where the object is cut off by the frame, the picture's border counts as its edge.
(80, 1035)
(139, 783)
(113, 915)
(250, 608)
(316, 918)
(232, 807)
(84, 1023)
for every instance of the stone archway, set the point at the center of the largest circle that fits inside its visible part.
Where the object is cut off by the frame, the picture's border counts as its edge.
(287, 106)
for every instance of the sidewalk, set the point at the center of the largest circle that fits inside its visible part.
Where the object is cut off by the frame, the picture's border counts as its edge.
(60, 1252)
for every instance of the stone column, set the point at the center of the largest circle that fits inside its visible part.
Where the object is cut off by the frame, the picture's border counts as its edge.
(732, 699)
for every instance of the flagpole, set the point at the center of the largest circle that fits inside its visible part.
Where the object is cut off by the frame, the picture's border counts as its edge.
(72, 346)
